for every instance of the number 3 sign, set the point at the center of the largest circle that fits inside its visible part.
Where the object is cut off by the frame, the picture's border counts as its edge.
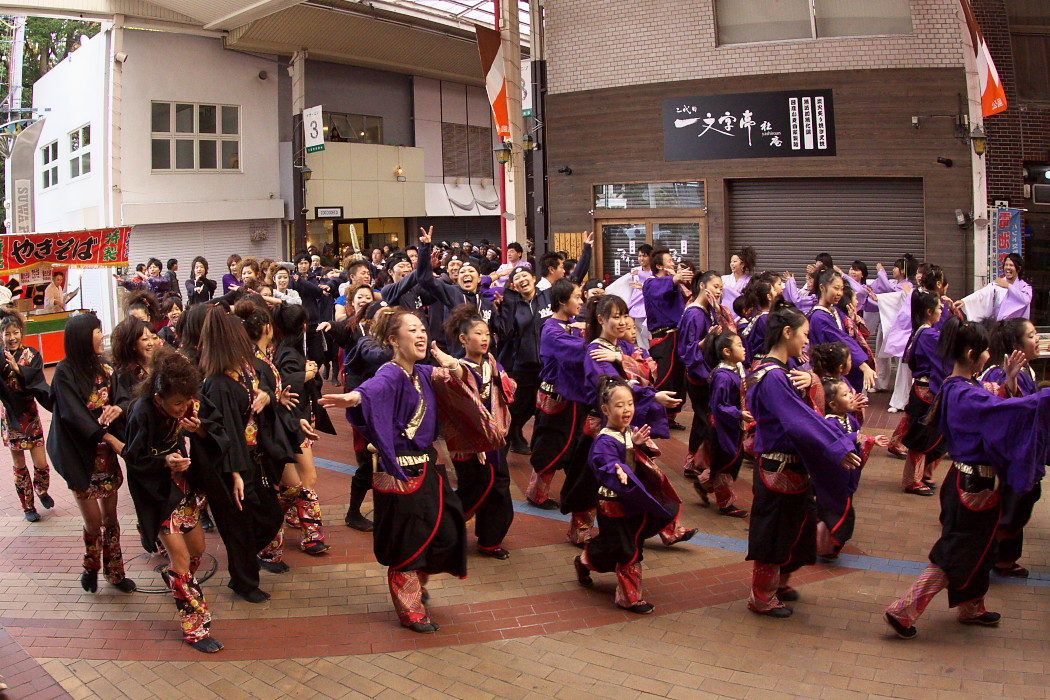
(313, 129)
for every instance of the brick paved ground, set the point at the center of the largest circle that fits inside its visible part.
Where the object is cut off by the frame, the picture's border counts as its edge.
(521, 628)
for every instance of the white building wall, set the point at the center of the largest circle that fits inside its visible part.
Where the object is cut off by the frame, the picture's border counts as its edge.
(611, 43)
(70, 95)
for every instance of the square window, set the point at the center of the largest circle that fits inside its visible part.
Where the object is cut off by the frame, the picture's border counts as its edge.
(85, 164)
(206, 119)
(85, 136)
(231, 155)
(161, 117)
(231, 120)
(206, 150)
(161, 154)
(74, 168)
(184, 118)
(183, 154)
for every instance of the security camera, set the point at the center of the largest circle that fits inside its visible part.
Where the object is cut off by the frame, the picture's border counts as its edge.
(263, 75)
(304, 211)
(946, 162)
(961, 218)
(120, 57)
(565, 170)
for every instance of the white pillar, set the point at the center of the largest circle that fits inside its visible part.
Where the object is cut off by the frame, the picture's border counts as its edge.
(515, 170)
(978, 165)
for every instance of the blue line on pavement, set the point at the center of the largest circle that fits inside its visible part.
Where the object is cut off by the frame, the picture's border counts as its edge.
(733, 544)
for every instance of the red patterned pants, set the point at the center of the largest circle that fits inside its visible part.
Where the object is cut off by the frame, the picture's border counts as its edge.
(24, 484)
(581, 527)
(194, 615)
(539, 487)
(721, 485)
(406, 590)
(932, 581)
(766, 580)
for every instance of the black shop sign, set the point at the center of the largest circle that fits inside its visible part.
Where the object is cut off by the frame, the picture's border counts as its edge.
(750, 125)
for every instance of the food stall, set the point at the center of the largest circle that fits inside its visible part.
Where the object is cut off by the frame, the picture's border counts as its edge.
(38, 260)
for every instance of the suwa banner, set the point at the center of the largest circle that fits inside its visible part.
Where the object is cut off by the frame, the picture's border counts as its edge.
(750, 125)
(99, 247)
(1006, 237)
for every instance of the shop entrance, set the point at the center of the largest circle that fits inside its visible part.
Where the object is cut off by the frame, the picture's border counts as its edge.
(620, 239)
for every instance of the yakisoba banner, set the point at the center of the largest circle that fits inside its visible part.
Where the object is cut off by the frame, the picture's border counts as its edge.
(104, 246)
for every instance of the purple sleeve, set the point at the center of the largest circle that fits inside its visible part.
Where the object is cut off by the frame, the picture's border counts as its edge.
(725, 409)
(1017, 302)
(822, 329)
(691, 333)
(593, 371)
(606, 453)
(883, 284)
(375, 418)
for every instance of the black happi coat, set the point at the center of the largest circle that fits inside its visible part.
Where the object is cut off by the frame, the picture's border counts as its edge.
(32, 385)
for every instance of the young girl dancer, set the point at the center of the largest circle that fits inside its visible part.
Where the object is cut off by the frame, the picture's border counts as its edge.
(632, 504)
(725, 353)
(244, 505)
(702, 317)
(799, 455)
(83, 450)
(924, 442)
(419, 524)
(993, 441)
(758, 298)
(302, 376)
(22, 388)
(1012, 338)
(834, 527)
(828, 325)
(164, 488)
(609, 354)
(484, 479)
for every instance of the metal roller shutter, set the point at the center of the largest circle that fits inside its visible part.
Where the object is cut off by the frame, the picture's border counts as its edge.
(215, 240)
(789, 221)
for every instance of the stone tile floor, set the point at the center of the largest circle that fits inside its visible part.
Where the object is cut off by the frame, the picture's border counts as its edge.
(522, 627)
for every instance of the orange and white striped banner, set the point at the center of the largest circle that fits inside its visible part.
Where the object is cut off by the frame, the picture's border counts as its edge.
(490, 44)
(993, 96)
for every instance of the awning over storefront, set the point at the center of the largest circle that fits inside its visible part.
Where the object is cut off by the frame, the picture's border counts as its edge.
(462, 199)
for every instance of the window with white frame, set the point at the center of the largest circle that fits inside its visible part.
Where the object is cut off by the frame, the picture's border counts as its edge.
(192, 137)
(80, 151)
(750, 21)
(49, 161)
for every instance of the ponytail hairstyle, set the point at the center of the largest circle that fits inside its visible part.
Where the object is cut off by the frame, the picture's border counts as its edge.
(827, 276)
(1006, 337)
(828, 359)
(459, 322)
(561, 292)
(921, 304)
(607, 386)
(171, 374)
(700, 281)
(144, 301)
(959, 338)
(188, 329)
(289, 323)
(749, 258)
(714, 347)
(602, 307)
(224, 345)
(740, 306)
(933, 275)
(387, 324)
(909, 265)
(813, 278)
(253, 317)
(825, 260)
(783, 315)
(79, 343)
(757, 294)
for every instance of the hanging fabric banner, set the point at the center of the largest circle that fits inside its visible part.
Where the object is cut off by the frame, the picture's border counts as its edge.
(993, 96)
(490, 44)
(100, 247)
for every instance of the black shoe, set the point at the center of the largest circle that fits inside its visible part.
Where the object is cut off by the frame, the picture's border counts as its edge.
(899, 629)
(89, 581)
(126, 585)
(316, 548)
(274, 567)
(423, 627)
(787, 594)
(583, 573)
(930, 484)
(208, 645)
(498, 553)
(987, 618)
(780, 613)
(519, 446)
(733, 512)
(675, 425)
(47, 501)
(255, 595)
(685, 537)
(920, 491)
(32, 516)
(206, 522)
(639, 608)
(549, 504)
(358, 522)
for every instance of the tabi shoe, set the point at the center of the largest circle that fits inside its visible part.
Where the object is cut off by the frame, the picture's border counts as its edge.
(733, 512)
(705, 498)
(428, 627)
(780, 613)
(47, 501)
(497, 553)
(583, 573)
(920, 491)
(32, 516)
(675, 425)
(787, 594)
(126, 585)
(255, 595)
(89, 581)
(642, 608)
(929, 483)
(1012, 571)
(686, 536)
(549, 504)
(206, 522)
(358, 522)
(989, 619)
(316, 548)
(519, 445)
(274, 567)
(899, 629)
(208, 645)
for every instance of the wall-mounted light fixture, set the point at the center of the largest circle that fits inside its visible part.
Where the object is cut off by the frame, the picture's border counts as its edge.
(399, 173)
(306, 171)
(503, 153)
(528, 143)
(979, 140)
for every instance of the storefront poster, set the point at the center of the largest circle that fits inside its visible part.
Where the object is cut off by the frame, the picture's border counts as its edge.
(1006, 236)
(19, 251)
(750, 125)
